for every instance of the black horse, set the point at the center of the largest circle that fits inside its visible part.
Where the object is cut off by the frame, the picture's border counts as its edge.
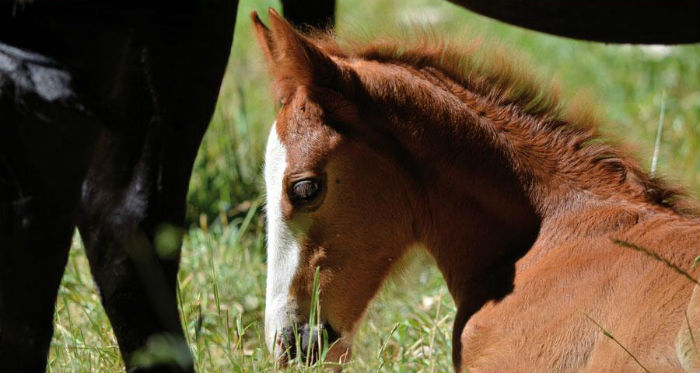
(102, 108)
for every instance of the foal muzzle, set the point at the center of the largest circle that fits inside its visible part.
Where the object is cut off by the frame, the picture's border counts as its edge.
(304, 343)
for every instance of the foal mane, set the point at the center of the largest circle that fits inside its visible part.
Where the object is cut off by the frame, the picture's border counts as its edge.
(491, 74)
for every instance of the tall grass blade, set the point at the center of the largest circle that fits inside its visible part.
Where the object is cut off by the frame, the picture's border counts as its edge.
(612, 337)
(656, 256)
(690, 331)
(659, 131)
(314, 318)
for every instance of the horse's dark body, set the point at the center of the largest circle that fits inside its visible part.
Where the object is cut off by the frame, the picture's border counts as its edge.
(102, 108)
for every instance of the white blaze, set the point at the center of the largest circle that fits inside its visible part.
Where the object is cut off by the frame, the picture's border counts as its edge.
(282, 249)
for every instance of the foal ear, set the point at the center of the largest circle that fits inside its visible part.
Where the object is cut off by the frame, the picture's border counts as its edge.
(293, 58)
(264, 36)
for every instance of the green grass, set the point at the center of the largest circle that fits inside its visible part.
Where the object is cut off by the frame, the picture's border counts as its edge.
(222, 273)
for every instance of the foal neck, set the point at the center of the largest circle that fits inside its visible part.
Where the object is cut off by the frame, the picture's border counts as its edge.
(490, 171)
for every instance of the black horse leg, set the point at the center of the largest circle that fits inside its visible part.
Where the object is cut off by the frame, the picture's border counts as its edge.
(133, 205)
(131, 221)
(45, 144)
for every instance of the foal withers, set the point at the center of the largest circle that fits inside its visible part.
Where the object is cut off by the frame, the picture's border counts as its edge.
(385, 146)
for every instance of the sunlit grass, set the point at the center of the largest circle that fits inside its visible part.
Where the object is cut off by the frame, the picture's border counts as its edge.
(222, 281)
(408, 328)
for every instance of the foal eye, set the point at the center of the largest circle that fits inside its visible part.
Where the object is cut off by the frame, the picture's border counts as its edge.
(304, 191)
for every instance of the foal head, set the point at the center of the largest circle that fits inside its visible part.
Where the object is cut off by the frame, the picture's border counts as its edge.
(336, 203)
(369, 156)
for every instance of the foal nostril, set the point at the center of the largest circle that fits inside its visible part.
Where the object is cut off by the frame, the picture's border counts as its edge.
(287, 342)
(307, 341)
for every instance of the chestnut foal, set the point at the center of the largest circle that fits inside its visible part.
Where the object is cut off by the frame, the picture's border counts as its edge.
(384, 146)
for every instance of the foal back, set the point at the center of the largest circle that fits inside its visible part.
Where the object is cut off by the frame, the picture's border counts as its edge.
(577, 280)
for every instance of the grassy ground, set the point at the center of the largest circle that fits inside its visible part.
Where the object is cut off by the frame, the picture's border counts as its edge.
(222, 273)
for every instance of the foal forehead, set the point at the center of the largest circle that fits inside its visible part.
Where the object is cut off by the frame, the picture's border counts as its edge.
(302, 130)
(300, 114)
